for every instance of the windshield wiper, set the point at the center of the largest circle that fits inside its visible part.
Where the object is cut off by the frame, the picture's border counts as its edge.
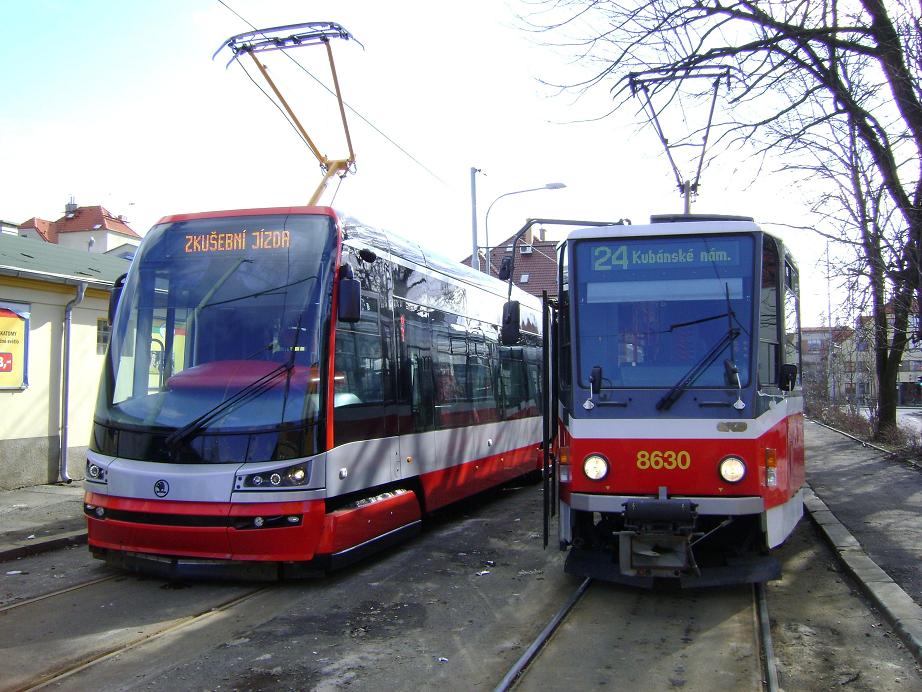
(250, 391)
(677, 325)
(688, 379)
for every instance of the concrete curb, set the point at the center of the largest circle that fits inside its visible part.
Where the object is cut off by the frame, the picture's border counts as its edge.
(904, 614)
(22, 548)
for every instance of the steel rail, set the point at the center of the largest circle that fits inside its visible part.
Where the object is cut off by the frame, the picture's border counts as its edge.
(526, 658)
(59, 592)
(769, 662)
(53, 677)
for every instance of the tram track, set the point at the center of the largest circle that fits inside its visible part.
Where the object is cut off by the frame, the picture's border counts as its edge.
(535, 647)
(81, 626)
(176, 628)
(57, 592)
(571, 622)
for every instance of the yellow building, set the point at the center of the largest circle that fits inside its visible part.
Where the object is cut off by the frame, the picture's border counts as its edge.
(53, 302)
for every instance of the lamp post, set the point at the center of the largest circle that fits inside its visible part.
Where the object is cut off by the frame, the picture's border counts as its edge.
(475, 260)
(486, 220)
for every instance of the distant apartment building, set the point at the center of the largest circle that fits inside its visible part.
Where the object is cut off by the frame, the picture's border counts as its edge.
(841, 362)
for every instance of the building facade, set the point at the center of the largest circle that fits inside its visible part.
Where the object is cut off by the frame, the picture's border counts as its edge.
(534, 265)
(53, 302)
(840, 362)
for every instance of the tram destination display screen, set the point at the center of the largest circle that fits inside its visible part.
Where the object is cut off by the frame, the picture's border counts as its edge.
(648, 309)
(662, 254)
(676, 269)
(225, 241)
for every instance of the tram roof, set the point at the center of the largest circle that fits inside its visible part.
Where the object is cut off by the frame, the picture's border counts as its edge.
(691, 226)
(383, 240)
(434, 261)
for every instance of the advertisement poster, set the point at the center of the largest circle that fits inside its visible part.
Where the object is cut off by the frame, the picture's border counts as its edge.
(14, 341)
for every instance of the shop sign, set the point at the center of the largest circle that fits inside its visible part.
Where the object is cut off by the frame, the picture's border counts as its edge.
(14, 345)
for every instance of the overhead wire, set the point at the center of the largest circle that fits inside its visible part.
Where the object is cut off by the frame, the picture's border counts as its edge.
(330, 91)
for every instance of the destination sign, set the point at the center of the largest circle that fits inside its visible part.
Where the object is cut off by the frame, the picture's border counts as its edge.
(236, 241)
(665, 253)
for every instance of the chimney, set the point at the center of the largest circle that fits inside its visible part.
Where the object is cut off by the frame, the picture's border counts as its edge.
(70, 209)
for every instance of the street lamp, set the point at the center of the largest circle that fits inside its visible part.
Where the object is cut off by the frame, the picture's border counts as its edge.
(486, 220)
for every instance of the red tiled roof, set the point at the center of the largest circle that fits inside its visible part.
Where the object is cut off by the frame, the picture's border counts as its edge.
(44, 228)
(540, 265)
(81, 219)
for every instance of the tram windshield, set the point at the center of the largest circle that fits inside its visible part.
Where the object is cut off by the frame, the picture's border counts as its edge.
(218, 331)
(651, 310)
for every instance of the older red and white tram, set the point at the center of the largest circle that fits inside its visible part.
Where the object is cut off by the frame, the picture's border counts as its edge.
(679, 426)
(289, 390)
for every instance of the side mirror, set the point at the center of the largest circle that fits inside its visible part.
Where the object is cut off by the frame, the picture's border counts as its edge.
(788, 377)
(505, 269)
(115, 296)
(731, 374)
(509, 330)
(595, 379)
(350, 296)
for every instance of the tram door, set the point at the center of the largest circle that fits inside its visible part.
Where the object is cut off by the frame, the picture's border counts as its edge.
(389, 365)
(364, 387)
(415, 405)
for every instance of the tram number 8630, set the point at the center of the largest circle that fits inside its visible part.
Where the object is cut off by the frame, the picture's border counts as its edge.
(663, 460)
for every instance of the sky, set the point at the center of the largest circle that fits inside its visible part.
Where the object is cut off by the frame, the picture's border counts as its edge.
(121, 104)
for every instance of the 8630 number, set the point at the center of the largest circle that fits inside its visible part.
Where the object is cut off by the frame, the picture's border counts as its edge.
(668, 460)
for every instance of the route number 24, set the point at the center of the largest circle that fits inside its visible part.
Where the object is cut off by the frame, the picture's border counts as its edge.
(606, 258)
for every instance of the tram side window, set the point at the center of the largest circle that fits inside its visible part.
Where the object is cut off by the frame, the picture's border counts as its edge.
(450, 371)
(514, 380)
(791, 316)
(534, 386)
(565, 354)
(769, 345)
(418, 387)
(483, 398)
(359, 368)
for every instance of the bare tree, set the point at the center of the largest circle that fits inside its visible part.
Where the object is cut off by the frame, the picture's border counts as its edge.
(861, 218)
(803, 69)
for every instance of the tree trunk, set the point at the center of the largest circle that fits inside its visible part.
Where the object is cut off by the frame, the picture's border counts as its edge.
(886, 400)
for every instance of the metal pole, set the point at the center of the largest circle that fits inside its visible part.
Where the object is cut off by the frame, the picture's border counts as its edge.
(475, 260)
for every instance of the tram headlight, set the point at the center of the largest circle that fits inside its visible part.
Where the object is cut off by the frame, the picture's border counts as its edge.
(294, 476)
(95, 473)
(732, 469)
(595, 466)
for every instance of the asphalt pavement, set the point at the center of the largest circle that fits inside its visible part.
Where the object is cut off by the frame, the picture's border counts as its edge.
(39, 518)
(866, 503)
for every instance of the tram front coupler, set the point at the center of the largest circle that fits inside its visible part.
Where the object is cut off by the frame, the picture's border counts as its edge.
(657, 538)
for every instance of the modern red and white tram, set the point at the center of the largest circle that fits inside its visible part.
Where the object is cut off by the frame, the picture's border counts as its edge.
(288, 390)
(679, 426)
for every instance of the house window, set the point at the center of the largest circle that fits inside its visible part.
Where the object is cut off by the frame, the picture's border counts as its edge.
(103, 332)
(524, 279)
